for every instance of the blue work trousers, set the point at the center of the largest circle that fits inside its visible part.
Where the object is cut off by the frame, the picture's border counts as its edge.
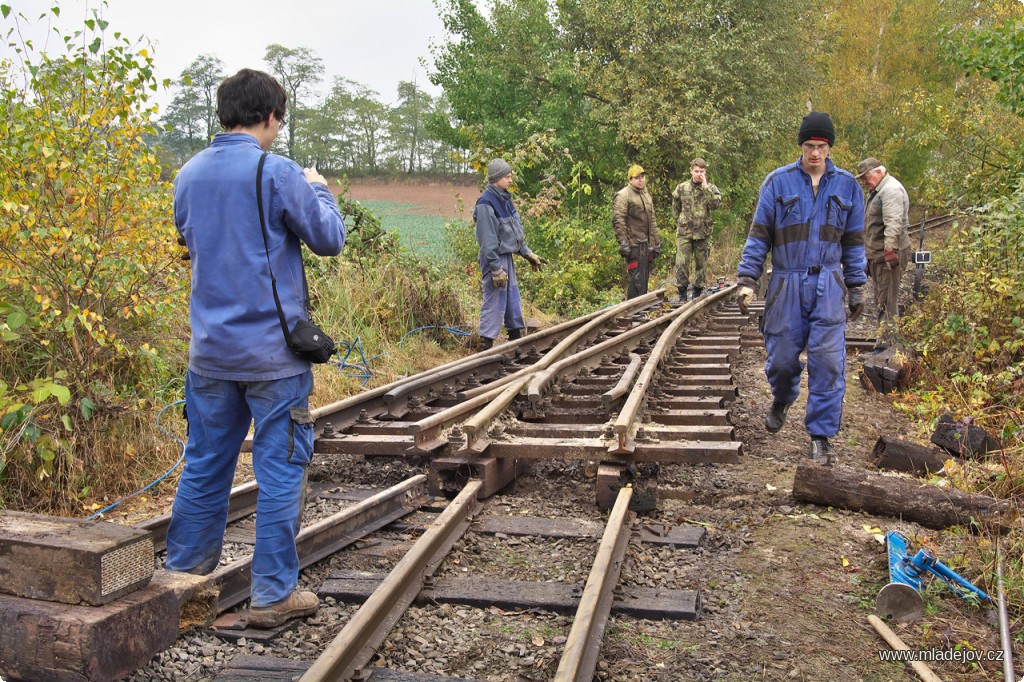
(501, 305)
(807, 311)
(219, 415)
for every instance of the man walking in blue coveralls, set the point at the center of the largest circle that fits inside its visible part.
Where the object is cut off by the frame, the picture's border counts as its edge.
(810, 216)
(499, 232)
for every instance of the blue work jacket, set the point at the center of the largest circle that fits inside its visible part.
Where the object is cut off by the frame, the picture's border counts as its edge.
(499, 230)
(236, 332)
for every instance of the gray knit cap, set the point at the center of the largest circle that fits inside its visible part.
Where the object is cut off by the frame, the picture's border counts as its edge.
(497, 169)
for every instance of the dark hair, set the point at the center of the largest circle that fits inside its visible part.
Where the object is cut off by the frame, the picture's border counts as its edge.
(248, 98)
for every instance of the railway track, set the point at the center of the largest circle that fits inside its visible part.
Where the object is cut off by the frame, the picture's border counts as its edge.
(620, 392)
(599, 405)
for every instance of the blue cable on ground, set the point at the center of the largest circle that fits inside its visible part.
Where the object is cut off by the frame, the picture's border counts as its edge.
(162, 476)
(365, 372)
(453, 330)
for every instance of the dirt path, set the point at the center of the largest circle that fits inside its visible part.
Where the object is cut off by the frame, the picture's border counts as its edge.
(790, 585)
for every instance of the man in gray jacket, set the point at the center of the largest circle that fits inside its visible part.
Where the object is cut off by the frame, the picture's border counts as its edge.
(499, 232)
(887, 242)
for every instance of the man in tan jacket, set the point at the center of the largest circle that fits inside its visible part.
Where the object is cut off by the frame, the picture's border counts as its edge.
(636, 229)
(887, 242)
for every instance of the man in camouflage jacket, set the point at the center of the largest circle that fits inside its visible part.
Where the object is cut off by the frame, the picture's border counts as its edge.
(692, 203)
(636, 230)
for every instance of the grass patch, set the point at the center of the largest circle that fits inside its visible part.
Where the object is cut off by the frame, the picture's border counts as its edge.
(422, 234)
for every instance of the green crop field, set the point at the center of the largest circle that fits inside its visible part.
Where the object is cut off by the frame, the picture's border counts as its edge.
(422, 234)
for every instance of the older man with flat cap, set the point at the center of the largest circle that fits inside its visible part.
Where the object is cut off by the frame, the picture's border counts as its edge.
(887, 242)
(810, 217)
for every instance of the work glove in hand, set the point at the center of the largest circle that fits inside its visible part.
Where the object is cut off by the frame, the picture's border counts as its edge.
(855, 301)
(499, 278)
(892, 259)
(653, 253)
(744, 297)
(624, 250)
(536, 261)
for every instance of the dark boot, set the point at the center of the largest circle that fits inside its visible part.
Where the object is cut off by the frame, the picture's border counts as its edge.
(486, 343)
(821, 451)
(697, 291)
(776, 417)
(514, 334)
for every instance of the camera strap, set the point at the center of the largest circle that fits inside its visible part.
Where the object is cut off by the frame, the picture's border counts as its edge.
(266, 248)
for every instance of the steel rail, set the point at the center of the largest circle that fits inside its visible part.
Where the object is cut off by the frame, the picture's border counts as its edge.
(583, 645)
(397, 398)
(621, 387)
(543, 379)
(357, 642)
(341, 414)
(328, 535)
(241, 503)
(625, 424)
(633, 304)
(932, 223)
(427, 431)
(477, 425)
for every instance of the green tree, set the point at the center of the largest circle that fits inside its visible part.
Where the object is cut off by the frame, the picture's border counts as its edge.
(621, 82)
(884, 74)
(182, 130)
(298, 70)
(204, 76)
(89, 272)
(407, 121)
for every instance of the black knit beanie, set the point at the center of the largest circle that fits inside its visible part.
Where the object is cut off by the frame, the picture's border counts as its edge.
(817, 125)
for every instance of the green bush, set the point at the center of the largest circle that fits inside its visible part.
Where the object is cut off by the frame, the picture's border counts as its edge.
(970, 328)
(92, 286)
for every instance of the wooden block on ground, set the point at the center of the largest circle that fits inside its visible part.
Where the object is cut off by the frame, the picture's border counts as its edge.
(612, 477)
(886, 371)
(71, 560)
(450, 474)
(962, 438)
(902, 455)
(43, 641)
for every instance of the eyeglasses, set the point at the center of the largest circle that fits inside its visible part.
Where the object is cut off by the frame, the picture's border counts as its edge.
(808, 147)
(280, 120)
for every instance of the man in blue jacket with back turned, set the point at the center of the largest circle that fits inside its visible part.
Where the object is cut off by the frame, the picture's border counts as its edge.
(240, 369)
(810, 217)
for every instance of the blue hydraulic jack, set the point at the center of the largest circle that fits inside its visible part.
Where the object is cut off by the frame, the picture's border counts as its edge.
(901, 598)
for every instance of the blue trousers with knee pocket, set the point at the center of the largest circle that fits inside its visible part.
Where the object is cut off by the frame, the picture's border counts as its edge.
(219, 415)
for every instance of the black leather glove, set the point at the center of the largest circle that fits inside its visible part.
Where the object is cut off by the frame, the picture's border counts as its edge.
(855, 301)
(624, 250)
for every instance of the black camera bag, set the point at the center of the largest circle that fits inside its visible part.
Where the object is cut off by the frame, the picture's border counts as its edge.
(305, 339)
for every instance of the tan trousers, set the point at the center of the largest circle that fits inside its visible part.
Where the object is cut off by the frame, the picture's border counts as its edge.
(887, 291)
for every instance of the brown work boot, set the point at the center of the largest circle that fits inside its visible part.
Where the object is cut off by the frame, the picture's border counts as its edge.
(297, 605)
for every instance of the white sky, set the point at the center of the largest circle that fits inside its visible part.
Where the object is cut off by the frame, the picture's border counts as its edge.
(374, 42)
